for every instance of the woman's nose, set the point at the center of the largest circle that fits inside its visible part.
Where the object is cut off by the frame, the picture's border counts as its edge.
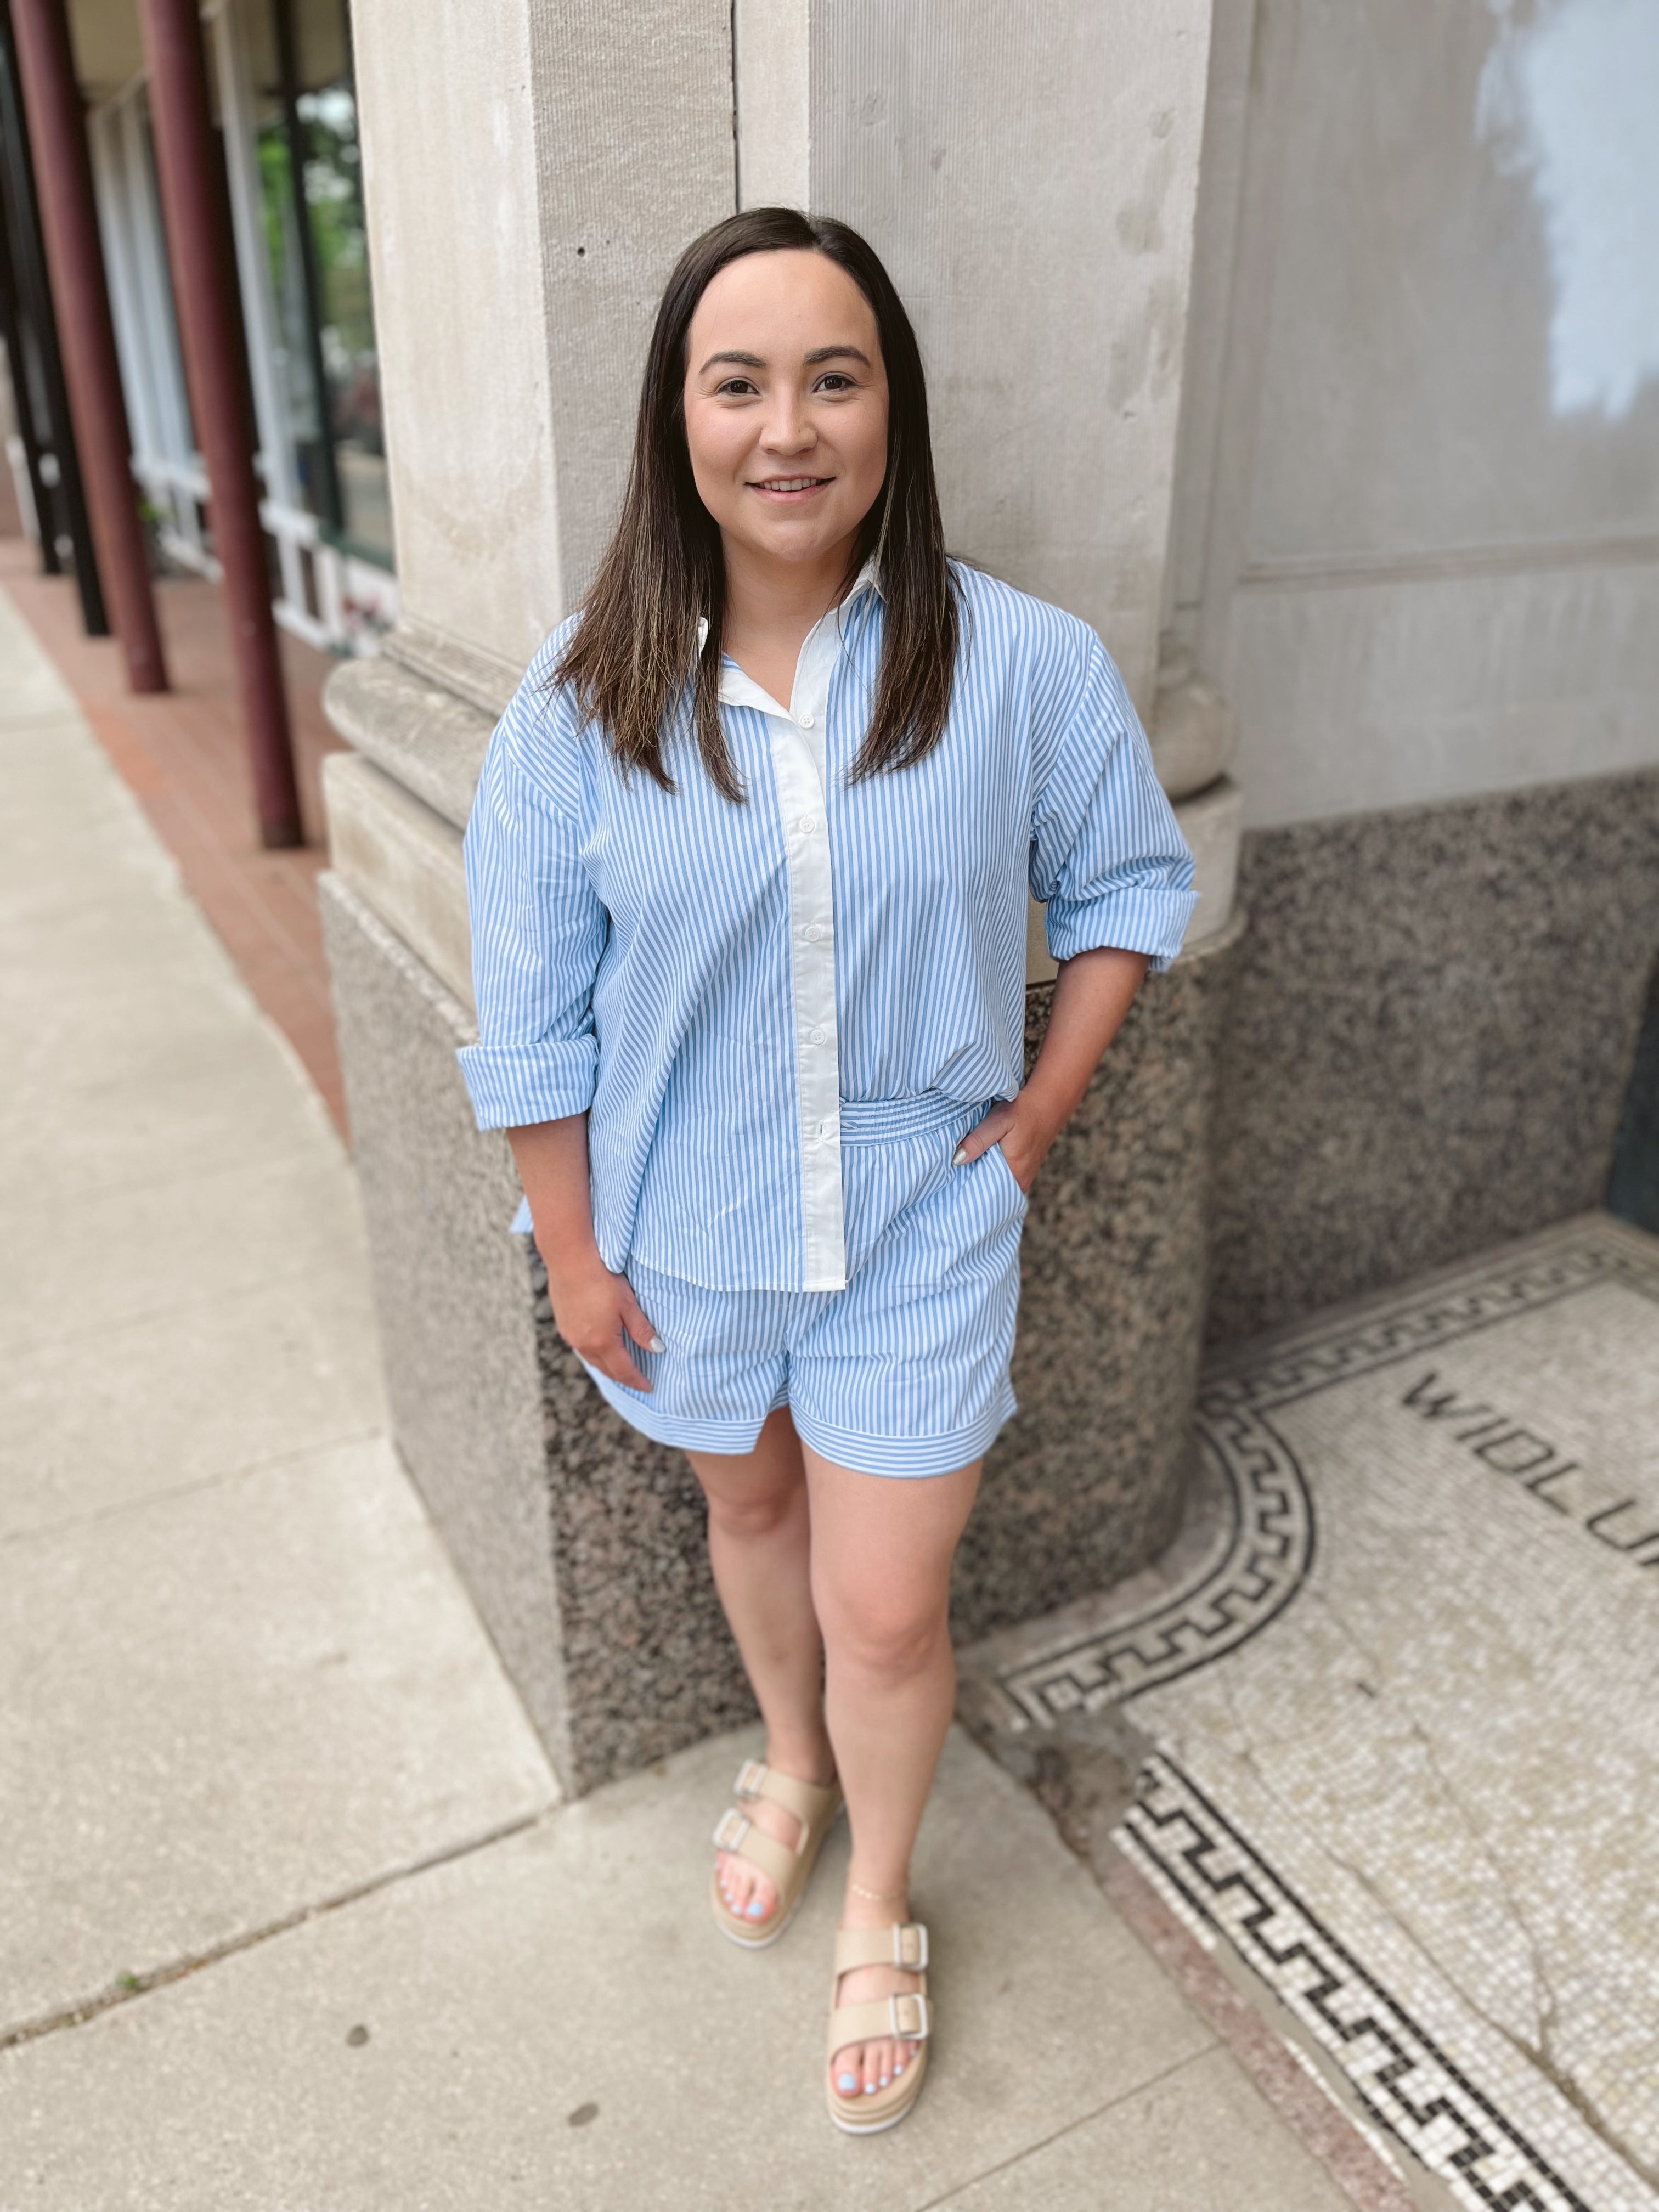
(789, 428)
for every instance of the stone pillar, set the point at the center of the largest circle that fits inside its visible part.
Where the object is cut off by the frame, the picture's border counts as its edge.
(528, 187)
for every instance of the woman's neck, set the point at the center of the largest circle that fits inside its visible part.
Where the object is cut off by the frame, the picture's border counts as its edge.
(771, 605)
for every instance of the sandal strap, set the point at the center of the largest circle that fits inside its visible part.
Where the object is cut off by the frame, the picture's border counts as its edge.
(812, 1803)
(904, 1944)
(779, 1863)
(906, 2016)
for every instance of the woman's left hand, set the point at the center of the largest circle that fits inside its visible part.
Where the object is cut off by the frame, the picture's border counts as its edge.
(1023, 1132)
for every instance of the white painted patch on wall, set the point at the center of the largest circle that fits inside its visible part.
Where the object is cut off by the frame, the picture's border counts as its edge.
(1567, 97)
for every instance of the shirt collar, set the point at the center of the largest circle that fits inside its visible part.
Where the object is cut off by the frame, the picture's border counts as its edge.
(868, 578)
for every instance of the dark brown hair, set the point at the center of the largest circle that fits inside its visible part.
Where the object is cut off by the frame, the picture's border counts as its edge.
(631, 653)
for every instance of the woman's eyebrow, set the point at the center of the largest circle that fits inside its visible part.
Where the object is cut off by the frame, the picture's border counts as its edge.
(742, 359)
(812, 360)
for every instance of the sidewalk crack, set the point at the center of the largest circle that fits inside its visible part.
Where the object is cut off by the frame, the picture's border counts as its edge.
(127, 1987)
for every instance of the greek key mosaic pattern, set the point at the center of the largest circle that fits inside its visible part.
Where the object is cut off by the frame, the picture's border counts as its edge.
(1266, 1553)
(1316, 1362)
(1270, 1544)
(1207, 1872)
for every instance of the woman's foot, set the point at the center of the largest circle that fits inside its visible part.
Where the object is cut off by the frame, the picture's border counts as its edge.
(859, 2069)
(748, 1893)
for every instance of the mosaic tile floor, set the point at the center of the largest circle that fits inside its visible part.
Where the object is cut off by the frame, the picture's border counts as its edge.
(1392, 1700)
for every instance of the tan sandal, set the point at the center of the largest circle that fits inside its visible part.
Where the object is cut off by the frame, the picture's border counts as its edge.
(786, 1866)
(908, 2016)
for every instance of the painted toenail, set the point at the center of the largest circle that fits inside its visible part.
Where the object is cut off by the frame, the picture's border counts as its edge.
(869, 2088)
(847, 2081)
(754, 1908)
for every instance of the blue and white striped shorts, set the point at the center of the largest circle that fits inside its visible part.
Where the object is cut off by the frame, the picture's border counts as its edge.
(904, 1371)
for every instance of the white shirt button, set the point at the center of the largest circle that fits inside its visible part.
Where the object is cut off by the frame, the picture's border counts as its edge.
(807, 823)
(817, 1036)
(805, 722)
(812, 933)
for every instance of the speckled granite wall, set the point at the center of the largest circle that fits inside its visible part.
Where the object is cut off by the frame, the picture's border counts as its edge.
(584, 1544)
(1085, 1483)
(1429, 1037)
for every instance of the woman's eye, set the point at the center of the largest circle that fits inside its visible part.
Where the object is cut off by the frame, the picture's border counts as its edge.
(836, 381)
(736, 387)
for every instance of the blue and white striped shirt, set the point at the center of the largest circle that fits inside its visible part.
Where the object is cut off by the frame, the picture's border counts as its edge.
(709, 981)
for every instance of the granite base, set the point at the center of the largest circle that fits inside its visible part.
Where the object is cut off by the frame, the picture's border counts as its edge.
(1430, 1037)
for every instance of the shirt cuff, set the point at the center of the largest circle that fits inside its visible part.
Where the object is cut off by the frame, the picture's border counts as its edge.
(1144, 918)
(511, 1086)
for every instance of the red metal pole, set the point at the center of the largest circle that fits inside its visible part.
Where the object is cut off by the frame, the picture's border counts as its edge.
(190, 165)
(75, 257)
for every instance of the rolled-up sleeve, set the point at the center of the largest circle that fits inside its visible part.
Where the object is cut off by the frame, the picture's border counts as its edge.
(539, 929)
(1107, 858)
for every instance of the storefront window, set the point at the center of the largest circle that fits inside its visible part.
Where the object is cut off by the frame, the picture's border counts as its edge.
(311, 182)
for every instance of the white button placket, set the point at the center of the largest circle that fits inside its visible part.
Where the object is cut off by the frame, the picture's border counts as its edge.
(813, 963)
(799, 755)
(800, 770)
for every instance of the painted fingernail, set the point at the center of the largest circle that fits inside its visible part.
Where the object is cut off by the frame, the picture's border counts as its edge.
(847, 2081)
(958, 1157)
(657, 1344)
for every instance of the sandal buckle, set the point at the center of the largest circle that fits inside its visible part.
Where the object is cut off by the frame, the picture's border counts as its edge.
(731, 1828)
(921, 2025)
(913, 1954)
(750, 1776)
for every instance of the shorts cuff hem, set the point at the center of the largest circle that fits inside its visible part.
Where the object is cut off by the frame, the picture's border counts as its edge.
(906, 1456)
(738, 1437)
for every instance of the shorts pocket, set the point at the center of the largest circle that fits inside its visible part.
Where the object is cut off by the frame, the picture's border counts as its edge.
(1022, 1197)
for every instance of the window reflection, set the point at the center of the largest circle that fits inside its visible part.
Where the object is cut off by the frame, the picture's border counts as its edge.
(310, 186)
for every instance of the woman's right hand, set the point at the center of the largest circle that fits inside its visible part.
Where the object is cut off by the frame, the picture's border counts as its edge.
(592, 1308)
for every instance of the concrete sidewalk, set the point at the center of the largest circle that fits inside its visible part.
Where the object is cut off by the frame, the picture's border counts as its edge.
(290, 1915)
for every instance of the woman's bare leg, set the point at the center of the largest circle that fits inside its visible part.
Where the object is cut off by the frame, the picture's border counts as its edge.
(759, 1543)
(882, 1547)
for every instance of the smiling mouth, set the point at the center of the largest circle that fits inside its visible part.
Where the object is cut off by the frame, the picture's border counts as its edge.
(789, 484)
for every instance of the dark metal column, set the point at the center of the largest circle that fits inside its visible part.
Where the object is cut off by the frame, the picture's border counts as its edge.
(18, 368)
(60, 497)
(75, 254)
(188, 161)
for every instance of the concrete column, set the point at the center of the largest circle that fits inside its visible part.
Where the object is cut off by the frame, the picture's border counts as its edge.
(531, 174)
(194, 211)
(81, 297)
(529, 183)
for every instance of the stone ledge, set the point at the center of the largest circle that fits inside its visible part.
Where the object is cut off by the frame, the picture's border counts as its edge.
(429, 740)
(404, 861)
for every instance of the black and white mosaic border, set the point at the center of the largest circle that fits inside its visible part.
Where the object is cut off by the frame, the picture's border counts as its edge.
(1415, 2092)
(1403, 2078)
(1318, 1359)
(1255, 1573)
(1269, 1545)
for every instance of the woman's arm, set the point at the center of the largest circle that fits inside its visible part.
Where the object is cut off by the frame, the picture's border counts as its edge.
(1092, 993)
(591, 1306)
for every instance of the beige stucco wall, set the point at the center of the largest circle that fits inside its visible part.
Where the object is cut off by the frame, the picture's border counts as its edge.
(530, 174)
(1029, 176)
(1417, 534)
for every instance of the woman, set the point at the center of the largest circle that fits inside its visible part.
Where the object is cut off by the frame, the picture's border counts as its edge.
(748, 869)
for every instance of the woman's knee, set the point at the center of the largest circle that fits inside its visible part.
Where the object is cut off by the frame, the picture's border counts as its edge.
(750, 1513)
(887, 1632)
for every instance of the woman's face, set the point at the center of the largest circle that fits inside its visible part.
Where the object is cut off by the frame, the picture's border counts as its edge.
(786, 404)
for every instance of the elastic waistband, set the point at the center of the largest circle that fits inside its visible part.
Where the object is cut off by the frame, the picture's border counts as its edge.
(869, 1120)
